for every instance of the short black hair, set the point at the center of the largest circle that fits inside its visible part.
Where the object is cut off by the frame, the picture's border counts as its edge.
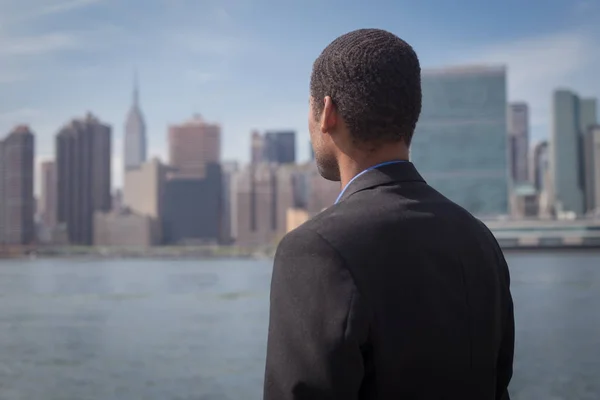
(374, 80)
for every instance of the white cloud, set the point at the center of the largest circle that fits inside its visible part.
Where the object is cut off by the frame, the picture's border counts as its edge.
(65, 6)
(23, 57)
(539, 65)
(37, 45)
(17, 12)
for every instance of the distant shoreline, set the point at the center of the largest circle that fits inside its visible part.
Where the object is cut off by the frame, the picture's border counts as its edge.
(85, 252)
(216, 253)
(531, 249)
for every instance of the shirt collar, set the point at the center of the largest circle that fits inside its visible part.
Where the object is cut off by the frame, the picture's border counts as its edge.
(380, 174)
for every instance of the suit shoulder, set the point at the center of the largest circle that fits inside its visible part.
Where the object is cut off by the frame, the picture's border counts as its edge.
(302, 237)
(292, 236)
(483, 228)
(306, 247)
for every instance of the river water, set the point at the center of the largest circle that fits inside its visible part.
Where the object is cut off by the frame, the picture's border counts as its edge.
(189, 329)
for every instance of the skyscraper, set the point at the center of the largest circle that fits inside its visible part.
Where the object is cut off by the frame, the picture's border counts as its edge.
(49, 194)
(518, 133)
(135, 134)
(143, 193)
(592, 169)
(257, 150)
(228, 200)
(83, 153)
(571, 117)
(192, 146)
(144, 188)
(280, 147)
(17, 204)
(540, 164)
(193, 208)
(256, 205)
(460, 143)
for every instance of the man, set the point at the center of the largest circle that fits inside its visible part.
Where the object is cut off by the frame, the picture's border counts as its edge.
(394, 292)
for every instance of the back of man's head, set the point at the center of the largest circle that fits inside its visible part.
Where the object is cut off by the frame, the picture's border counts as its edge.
(374, 80)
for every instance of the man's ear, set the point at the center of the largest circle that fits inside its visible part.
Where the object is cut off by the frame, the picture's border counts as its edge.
(328, 116)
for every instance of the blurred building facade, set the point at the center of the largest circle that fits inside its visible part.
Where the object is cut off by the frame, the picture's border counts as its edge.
(192, 146)
(256, 205)
(272, 199)
(83, 163)
(143, 193)
(192, 209)
(524, 201)
(17, 203)
(286, 196)
(228, 201)
(592, 170)
(572, 116)
(143, 188)
(296, 217)
(48, 205)
(117, 199)
(123, 228)
(518, 134)
(280, 147)
(540, 164)
(257, 148)
(465, 108)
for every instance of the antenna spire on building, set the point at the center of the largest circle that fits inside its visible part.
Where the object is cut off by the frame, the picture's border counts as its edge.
(136, 94)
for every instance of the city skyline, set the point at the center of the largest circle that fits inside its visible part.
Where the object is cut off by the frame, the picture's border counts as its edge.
(265, 143)
(232, 68)
(197, 197)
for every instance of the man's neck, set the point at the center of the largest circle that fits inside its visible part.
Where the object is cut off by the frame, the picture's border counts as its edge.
(350, 166)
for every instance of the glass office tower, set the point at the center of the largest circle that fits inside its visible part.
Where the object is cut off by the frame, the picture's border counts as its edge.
(460, 144)
(572, 117)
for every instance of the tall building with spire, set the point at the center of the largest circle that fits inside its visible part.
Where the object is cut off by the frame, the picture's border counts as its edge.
(135, 133)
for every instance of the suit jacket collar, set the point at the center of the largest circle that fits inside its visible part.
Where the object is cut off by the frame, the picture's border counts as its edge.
(385, 175)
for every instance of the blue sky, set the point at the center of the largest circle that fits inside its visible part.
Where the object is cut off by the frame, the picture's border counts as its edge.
(246, 63)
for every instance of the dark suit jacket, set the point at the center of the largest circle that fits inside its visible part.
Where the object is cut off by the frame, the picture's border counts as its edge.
(393, 293)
